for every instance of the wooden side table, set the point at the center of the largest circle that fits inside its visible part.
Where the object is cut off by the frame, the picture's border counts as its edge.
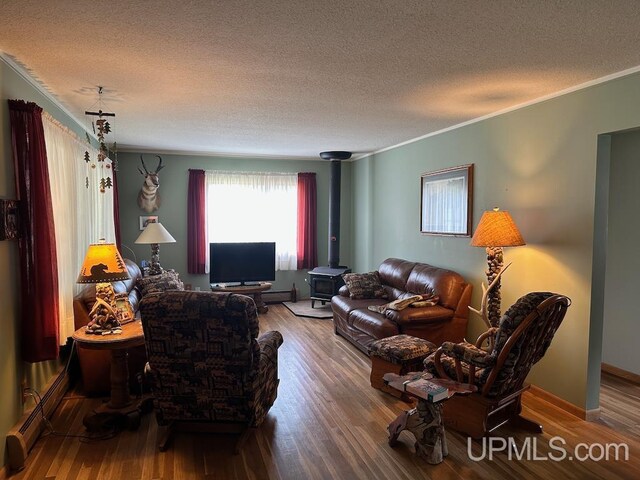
(425, 421)
(120, 403)
(254, 291)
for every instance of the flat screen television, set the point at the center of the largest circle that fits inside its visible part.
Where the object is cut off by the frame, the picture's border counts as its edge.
(246, 263)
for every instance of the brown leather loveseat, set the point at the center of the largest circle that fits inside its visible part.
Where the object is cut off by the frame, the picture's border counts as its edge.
(445, 321)
(95, 365)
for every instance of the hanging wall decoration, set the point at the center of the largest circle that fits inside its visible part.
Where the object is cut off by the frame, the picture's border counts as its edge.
(148, 197)
(9, 219)
(106, 159)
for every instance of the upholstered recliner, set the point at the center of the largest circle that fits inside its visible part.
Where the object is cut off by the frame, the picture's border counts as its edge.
(522, 338)
(206, 365)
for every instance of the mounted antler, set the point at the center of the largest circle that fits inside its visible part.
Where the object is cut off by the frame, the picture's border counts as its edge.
(149, 198)
(146, 172)
(485, 293)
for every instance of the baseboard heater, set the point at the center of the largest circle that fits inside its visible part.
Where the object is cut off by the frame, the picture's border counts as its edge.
(24, 434)
(279, 296)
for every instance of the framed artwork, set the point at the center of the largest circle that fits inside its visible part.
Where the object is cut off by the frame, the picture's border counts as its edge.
(146, 219)
(446, 201)
(124, 312)
(9, 220)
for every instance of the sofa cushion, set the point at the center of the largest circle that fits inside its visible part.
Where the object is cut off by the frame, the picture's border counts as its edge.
(167, 280)
(372, 324)
(364, 285)
(395, 273)
(344, 305)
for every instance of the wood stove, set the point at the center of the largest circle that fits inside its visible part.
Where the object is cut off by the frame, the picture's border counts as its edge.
(326, 281)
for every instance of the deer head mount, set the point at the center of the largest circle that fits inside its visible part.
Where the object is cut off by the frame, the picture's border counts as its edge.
(149, 198)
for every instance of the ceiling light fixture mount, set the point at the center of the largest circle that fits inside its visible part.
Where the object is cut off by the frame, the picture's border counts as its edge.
(335, 155)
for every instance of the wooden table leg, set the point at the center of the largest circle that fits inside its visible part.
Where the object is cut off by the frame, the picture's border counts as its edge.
(119, 379)
(425, 423)
(397, 426)
(260, 305)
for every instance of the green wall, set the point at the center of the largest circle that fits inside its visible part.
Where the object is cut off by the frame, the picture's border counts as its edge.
(173, 210)
(621, 326)
(547, 164)
(537, 162)
(12, 370)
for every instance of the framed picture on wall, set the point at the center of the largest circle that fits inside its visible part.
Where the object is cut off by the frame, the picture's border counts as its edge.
(147, 219)
(446, 201)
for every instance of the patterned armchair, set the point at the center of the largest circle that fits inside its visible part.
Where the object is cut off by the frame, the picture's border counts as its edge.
(206, 364)
(522, 338)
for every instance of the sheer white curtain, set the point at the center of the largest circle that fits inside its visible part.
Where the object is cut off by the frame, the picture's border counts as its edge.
(445, 205)
(81, 215)
(254, 207)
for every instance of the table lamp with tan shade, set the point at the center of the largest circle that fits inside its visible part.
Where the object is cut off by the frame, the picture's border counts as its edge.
(495, 231)
(103, 265)
(154, 234)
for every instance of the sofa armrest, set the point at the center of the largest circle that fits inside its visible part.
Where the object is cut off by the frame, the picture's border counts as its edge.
(344, 291)
(420, 315)
(469, 353)
(462, 309)
(80, 313)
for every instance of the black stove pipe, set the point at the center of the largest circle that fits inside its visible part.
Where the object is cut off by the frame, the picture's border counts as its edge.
(334, 204)
(334, 214)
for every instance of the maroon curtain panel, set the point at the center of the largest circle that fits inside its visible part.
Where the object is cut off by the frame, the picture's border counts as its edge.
(307, 221)
(116, 209)
(37, 244)
(196, 222)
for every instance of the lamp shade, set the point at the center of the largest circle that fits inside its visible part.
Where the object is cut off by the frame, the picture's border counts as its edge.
(155, 233)
(497, 229)
(102, 264)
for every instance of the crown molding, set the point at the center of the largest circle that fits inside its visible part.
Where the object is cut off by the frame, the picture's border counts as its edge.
(560, 93)
(28, 77)
(189, 153)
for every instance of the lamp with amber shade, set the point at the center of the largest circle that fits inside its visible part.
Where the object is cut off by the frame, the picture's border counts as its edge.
(495, 230)
(103, 265)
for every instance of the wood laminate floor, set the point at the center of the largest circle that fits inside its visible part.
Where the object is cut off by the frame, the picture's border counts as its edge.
(328, 423)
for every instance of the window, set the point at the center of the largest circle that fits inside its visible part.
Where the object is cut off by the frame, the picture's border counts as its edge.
(253, 207)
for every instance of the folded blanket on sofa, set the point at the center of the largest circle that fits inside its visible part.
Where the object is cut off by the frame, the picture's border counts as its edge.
(426, 300)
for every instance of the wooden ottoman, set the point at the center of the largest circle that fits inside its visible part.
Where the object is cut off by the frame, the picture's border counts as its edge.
(399, 354)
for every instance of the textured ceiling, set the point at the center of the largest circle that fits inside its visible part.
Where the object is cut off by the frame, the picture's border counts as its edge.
(294, 78)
